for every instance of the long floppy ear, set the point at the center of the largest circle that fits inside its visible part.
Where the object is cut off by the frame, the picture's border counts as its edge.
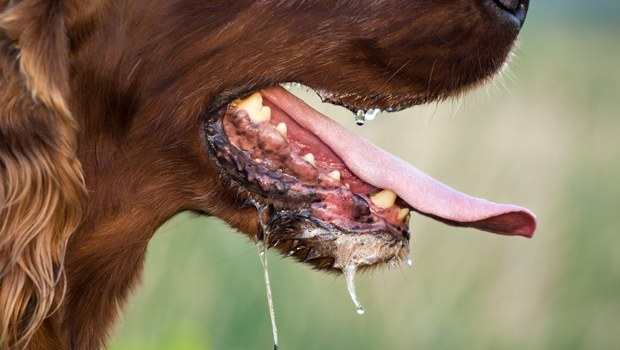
(41, 185)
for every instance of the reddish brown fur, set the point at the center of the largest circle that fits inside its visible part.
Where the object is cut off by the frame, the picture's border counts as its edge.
(138, 77)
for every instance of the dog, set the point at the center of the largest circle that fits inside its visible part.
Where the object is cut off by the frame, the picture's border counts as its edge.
(117, 115)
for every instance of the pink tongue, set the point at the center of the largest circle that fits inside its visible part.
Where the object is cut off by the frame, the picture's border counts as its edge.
(383, 170)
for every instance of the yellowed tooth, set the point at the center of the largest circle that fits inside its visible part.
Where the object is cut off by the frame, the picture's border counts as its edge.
(347, 186)
(402, 213)
(335, 175)
(253, 105)
(309, 158)
(250, 104)
(282, 129)
(264, 115)
(384, 199)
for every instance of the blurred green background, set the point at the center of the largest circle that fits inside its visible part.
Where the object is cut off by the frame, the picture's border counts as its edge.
(546, 136)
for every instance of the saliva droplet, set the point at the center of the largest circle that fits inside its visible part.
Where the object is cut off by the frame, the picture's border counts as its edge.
(360, 117)
(349, 274)
(371, 114)
(392, 263)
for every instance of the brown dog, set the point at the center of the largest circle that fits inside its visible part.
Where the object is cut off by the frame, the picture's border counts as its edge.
(116, 115)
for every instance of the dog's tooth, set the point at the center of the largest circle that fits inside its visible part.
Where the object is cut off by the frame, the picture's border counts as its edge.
(335, 175)
(263, 115)
(384, 199)
(253, 105)
(347, 186)
(309, 158)
(282, 129)
(402, 214)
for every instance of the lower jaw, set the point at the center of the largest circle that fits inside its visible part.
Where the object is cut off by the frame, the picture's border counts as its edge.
(329, 247)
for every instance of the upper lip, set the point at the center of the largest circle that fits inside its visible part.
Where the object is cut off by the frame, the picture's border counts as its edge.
(351, 101)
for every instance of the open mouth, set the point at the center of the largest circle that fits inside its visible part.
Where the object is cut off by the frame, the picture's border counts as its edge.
(328, 197)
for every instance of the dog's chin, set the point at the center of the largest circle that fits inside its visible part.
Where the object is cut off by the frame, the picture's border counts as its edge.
(327, 197)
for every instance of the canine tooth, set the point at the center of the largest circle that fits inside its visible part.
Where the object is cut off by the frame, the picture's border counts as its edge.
(309, 158)
(402, 213)
(253, 105)
(282, 129)
(334, 175)
(264, 115)
(347, 186)
(384, 199)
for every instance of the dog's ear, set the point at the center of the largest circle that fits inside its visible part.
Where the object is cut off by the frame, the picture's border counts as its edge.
(41, 185)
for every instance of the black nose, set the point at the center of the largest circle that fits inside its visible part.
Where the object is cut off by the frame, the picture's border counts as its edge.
(515, 8)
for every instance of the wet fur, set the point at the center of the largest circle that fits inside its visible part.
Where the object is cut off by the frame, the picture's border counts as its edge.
(102, 108)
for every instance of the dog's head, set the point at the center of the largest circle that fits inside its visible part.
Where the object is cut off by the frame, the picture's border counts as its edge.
(199, 92)
(174, 105)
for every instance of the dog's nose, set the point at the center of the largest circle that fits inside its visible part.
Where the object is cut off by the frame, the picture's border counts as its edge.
(517, 9)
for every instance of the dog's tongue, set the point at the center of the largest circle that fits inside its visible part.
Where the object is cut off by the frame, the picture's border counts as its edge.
(383, 170)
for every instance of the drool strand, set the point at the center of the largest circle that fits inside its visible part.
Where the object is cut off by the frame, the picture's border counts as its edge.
(261, 248)
(349, 273)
